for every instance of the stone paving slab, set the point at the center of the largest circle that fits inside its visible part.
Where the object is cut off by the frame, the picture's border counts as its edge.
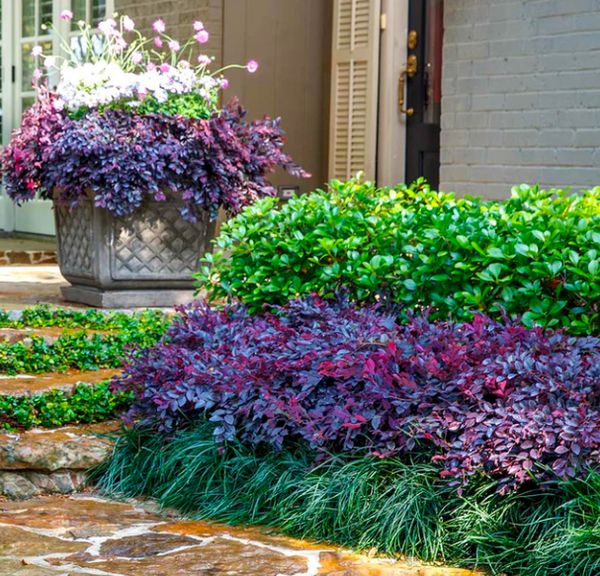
(34, 384)
(85, 535)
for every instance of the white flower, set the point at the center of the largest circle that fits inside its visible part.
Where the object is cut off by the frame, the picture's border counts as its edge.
(50, 61)
(161, 95)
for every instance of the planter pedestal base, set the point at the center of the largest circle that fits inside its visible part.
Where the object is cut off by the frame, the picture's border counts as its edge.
(126, 298)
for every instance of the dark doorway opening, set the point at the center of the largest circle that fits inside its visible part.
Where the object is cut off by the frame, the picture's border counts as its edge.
(424, 90)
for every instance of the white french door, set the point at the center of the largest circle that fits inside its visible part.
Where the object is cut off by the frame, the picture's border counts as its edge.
(25, 24)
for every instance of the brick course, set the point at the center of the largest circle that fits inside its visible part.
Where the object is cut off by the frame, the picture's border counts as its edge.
(521, 95)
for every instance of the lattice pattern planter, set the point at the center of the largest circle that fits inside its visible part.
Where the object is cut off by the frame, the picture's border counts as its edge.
(146, 259)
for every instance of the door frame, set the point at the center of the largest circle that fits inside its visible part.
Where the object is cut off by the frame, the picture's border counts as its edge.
(391, 141)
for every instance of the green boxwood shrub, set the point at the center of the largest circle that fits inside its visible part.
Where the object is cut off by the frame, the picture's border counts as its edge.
(535, 255)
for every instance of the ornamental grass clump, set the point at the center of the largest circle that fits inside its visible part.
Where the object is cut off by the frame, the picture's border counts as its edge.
(518, 405)
(534, 257)
(134, 118)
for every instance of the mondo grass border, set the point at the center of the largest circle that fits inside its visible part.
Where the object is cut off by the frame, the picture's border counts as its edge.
(398, 507)
(86, 404)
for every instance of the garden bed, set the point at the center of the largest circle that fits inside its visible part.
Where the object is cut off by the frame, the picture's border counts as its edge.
(473, 443)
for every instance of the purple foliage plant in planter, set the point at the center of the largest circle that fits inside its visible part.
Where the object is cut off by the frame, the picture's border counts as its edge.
(138, 157)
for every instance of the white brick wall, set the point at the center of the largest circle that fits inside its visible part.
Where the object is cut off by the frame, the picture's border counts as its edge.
(521, 95)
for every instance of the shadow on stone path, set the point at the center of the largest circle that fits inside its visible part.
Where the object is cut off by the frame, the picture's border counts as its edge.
(82, 535)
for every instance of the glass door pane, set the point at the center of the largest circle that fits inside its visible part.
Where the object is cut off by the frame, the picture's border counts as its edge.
(36, 21)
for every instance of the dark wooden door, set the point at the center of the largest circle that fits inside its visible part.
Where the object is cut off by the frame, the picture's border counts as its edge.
(424, 90)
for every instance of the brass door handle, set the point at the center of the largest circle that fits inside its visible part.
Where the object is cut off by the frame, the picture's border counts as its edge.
(410, 72)
(401, 85)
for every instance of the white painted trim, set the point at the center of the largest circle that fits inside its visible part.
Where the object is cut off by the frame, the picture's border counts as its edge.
(391, 145)
(7, 208)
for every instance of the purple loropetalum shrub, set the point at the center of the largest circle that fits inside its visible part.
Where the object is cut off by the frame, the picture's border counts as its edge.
(509, 401)
(120, 158)
(24, 161)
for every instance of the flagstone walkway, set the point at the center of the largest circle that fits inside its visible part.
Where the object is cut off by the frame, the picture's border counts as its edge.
(85, 535)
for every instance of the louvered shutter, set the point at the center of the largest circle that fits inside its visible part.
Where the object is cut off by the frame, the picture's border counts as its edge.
(354, 88)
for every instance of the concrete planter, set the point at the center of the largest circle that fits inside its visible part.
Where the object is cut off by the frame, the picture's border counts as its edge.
(146, 259)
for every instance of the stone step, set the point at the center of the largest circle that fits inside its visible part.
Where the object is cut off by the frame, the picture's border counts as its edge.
(30, 251)
(27, 257)
(50, 335)
(41, 461)
(35, 384)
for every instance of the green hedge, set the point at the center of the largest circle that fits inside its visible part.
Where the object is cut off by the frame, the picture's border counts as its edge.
(87, 404)
(400, 508)
(535, 255)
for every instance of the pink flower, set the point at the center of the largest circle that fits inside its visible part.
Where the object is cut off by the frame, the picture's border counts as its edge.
(202, 37)
(37, 74)
(37, 51)
(137, 57)
(66, 15)
(158, 42)
(128, 24)
(224, 83)
(252, 66)
(120, 42)
(204, 60)
(59, 105)
(174, 45)
(198, 25)
(107, 27)
(159, 26)
(150, 66)
(164, 68)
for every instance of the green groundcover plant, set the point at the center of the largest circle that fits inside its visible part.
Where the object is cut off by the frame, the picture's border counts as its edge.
(535, 255)
(85, 405)
(398, 506)
(77, 349)
(44, 316)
